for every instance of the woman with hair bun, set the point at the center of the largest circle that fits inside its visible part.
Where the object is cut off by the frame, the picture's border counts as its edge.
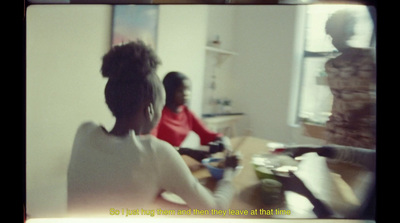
(177, 120)
(126, 167)
(352, 80)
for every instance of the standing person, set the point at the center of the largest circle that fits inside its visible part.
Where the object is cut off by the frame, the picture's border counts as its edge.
(352, 80)
(177, 120)
(126, 166)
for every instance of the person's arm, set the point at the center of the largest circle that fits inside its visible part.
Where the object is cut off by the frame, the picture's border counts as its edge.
(195, 154)
(294, 151)
(178, 179)
(355, 155)
(204, 133)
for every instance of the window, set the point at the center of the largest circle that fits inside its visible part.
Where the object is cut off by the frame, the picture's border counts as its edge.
(315, 98)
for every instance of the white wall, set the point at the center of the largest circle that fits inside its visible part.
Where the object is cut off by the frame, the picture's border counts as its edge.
(258, 79)
(264, 41)
(181, 45)
(266, 38)
(221, 22)
(63, 88)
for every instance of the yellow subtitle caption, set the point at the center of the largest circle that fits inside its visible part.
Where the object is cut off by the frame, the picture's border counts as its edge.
(230, 212)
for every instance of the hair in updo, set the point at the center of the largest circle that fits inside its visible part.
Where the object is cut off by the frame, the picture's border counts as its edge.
(132, 79)
(341, 22)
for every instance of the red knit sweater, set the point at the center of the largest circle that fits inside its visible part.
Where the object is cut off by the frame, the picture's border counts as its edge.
(174, 127)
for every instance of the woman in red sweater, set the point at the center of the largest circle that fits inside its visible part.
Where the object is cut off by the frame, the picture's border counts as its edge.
(177, 120)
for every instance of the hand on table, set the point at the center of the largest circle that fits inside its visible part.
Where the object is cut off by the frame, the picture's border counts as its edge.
(231, 161)
(295, 184)
(195, 154)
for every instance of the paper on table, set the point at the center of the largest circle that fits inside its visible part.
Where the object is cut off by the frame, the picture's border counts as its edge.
(326, 186)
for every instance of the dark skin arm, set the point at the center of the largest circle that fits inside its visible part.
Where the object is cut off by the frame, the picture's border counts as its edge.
(231, 161)
(293, 183)
(199, 154)
(360, 156)
(300, 150)
(195, 154)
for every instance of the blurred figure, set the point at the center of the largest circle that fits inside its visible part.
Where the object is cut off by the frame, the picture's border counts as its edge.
(352, 80)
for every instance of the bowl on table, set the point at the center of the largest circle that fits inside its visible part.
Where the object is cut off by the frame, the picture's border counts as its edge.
(215, 167)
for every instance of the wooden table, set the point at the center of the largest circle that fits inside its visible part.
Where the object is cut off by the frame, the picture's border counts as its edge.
(248, 188)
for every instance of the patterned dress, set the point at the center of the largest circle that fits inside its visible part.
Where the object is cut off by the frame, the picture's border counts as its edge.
(352, 80)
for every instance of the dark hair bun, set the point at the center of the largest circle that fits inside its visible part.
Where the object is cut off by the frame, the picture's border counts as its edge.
(131, 61)
(342, 21)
